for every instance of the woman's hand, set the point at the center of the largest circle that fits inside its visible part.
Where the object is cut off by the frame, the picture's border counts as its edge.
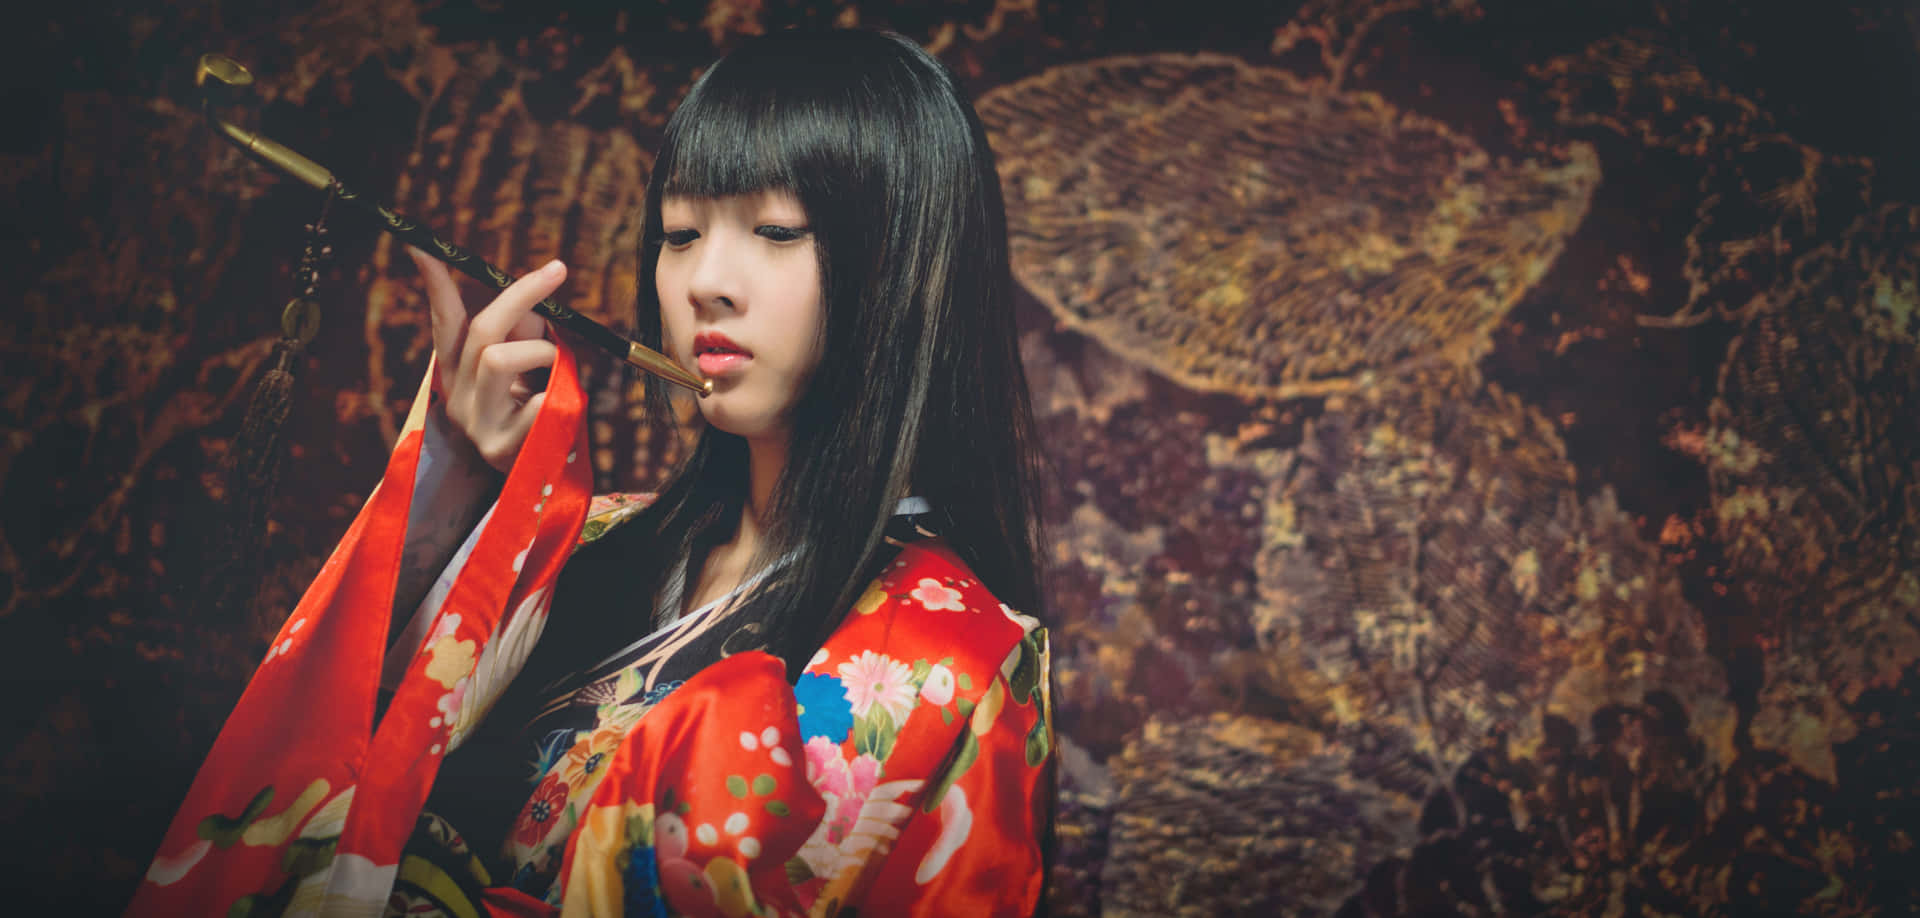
(482, 360)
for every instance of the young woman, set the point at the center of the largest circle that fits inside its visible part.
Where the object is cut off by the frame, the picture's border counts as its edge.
(794, 682)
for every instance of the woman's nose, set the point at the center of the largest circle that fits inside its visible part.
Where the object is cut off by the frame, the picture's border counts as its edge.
(715, 281)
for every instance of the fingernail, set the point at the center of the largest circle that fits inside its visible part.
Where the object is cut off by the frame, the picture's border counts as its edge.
(552, 267)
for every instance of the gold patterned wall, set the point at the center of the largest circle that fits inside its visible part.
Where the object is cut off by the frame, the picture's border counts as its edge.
(1485, 433)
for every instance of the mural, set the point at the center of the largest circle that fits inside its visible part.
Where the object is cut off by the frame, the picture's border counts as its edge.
(1485, 434)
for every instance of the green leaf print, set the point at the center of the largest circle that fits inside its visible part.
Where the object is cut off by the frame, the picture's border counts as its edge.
(874, 733)
(1039, 742)
(1025, 678)
(640, 830)
(798, 872)
(223, 831)
(737, 786)
(963, 760)
(308, 855)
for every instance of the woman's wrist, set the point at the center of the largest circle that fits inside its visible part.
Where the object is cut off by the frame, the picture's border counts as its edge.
(447, 453)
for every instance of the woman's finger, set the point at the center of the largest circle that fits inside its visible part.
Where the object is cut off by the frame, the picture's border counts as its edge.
(531, 328)
(501, 384)
(501, 365)
(491, 325)
(502, 442)
(534, 325)
(488, 405)
(522, 420)
(444, 307)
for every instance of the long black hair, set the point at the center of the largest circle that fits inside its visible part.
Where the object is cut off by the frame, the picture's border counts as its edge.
(920, 388)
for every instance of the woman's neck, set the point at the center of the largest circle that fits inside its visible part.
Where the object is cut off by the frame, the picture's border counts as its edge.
(721, 569)
(766, 460)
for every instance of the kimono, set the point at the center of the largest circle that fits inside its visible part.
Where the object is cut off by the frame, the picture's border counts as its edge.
(907, 772)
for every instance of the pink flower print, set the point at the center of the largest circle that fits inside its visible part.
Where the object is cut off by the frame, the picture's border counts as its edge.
(824, 762)
(687, 888)
(670, 836)
(450, 704)
(449, 623)
(842, 784)
(873, 678)
(863, 773)
(936, 596)
(843, 810)
(938, 689)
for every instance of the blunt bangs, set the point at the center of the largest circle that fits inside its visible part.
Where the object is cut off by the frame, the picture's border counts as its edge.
(731, 145)
(763, 119)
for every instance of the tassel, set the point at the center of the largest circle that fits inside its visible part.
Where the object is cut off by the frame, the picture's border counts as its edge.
(257, 457)
(237, 544)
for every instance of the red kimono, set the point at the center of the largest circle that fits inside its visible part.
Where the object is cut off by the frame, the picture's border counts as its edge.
(905, 773)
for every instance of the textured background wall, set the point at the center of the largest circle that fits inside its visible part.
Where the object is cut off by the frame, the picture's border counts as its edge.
(1485, 433)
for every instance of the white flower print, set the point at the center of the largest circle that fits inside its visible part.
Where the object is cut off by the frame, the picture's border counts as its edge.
(872, 678)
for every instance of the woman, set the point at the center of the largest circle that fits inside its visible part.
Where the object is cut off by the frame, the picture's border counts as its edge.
(795, 681)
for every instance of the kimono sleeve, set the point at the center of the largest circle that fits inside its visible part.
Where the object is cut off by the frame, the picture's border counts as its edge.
(973, 847)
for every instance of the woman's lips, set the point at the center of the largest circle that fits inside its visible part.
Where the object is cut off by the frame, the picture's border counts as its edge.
(719, 363)
(717, 355)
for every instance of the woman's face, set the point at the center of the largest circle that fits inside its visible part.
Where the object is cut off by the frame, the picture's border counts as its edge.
(740, 302)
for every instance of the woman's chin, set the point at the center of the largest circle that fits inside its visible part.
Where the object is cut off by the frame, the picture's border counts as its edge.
(740, 420)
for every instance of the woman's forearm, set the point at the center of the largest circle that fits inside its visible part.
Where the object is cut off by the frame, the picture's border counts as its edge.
(452, 490)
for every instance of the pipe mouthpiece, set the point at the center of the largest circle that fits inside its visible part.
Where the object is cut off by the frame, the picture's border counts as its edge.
(223, 70)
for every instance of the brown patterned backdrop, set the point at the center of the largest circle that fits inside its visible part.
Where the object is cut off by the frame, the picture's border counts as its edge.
(1485, 431)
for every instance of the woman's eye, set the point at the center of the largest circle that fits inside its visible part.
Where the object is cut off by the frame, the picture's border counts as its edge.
(779, 233)
(679, 238)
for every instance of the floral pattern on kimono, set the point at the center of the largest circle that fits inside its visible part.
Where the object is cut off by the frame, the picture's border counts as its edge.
(904, 774)
(917, 787)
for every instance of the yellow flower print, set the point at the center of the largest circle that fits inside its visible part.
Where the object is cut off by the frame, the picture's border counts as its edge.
(275, 829)
(452, 661)
(587, 761)
(595, 886)
(989, 708)
(870, 601)
(732, 892)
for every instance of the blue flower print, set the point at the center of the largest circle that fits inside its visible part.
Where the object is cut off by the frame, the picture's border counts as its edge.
(643, 885)
(824, 709)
